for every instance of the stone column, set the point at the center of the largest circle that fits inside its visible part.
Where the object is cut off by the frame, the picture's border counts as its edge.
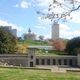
(56, 62)
(31, 57)
(51, 61)
(39, 61)
(62, 61)
(68, 62)
(78, 59)
(45, 61)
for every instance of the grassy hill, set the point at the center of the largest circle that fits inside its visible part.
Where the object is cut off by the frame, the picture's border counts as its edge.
(34, 42)
(42, 43)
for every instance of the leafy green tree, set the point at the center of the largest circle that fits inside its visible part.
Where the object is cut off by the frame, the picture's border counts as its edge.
(41, 37)
(21, 48)
(73, 45)
(7, 41)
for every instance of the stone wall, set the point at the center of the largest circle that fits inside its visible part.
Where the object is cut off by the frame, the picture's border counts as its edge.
(32, 60)
(57, 60)
(14, 59)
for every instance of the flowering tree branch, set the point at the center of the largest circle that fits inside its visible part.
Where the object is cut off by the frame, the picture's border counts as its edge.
(60, 9)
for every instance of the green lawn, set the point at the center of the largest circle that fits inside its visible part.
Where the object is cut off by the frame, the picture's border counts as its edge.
(29, 74)
(34, 42)
(49, 53)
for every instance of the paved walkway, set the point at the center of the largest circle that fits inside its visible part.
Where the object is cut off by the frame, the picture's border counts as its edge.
(59, 69)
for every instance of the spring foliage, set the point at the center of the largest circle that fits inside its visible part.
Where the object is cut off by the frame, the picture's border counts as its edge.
(59, 45)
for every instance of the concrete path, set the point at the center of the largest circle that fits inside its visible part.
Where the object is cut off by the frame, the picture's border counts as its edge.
(53, 68)
(59, 69)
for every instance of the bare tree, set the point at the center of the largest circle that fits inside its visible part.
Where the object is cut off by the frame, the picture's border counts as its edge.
(60, 9)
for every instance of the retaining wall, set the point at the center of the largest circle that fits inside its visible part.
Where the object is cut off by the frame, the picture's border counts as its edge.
(13, 59)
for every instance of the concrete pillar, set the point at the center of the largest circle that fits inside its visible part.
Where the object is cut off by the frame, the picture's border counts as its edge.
(56, 61)
(62, 61)
(40, 61)
(45, 61)
(74, 62)
(68, 62)
(51, 61)
(78, 59)
(31, 57)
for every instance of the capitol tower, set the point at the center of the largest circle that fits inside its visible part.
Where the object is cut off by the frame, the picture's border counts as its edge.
(55, 31)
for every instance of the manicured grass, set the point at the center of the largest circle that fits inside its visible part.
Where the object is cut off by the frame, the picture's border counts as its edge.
(34, 42)
(30, 74)
(49, 53)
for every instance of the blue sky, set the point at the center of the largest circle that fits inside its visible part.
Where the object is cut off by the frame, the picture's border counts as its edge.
(21, 14)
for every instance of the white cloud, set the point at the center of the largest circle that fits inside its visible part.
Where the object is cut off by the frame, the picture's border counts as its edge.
(75, 16)
(70, 34)
(42, 3)
(5, 23)
(40, 27)
(47, 36)
(23, 4)
(45, 3)
(44, 21)
(16, 5)
(64, 27)
(67, 32)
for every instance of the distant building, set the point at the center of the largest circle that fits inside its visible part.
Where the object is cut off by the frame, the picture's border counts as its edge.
(9, 29)
(14, 32)
(30, 35)
(55, 31)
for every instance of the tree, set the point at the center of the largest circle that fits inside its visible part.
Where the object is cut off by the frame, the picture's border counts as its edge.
(73, 46)
(59, 45)
(21, 48)
(7, 41)
(60, 9)
(41, 37)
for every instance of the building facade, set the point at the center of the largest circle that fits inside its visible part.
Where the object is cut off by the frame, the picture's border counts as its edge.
(55, 31)
(9, 29)
(14, 32)
(30, 35)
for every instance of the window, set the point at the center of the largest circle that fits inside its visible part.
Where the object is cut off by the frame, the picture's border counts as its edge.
(54, 61)
(65, 61)
(42, 61)
(48, 61)
(59, 61)
(31, 64)
(31, 57)
(37, 61)
(70, 62)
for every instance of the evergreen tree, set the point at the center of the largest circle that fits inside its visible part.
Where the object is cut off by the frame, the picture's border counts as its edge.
(73, 45)
(7, 41)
